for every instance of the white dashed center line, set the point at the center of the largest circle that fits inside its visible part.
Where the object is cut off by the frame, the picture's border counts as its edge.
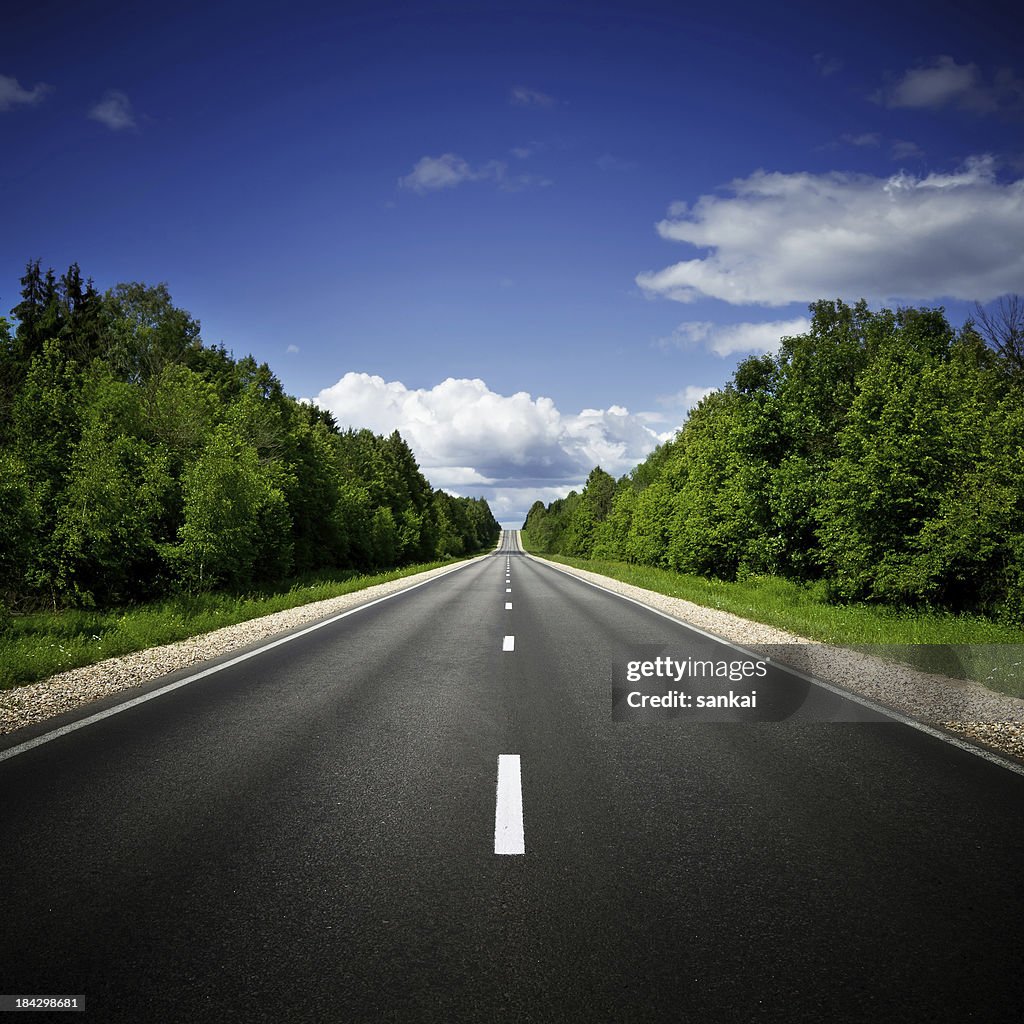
(508, 809)
(509, 643)
(508, 590)
(508, 606)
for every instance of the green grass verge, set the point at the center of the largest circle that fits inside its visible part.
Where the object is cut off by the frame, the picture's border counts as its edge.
(979, 645)
(41, 644)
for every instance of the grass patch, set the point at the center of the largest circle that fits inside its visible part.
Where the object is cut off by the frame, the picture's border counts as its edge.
(976, 647)
(40, 644)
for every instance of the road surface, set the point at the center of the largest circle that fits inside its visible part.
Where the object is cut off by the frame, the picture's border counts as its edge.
(424, 811)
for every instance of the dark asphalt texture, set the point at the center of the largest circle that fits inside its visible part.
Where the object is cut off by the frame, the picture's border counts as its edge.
(309, 836)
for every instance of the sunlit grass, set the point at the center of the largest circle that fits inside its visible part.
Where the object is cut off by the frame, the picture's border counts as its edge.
(802, 609)
(41, 644)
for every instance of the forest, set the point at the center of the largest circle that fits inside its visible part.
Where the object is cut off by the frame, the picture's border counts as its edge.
(136, 461)
(879, 458)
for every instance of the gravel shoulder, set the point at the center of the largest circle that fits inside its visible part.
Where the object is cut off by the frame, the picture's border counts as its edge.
(981, 716)
(66, 691)
(984, 717)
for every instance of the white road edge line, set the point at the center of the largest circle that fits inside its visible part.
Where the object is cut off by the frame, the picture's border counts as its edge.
(896, 716)
(508, 644)
(508, 807)
(38, 741)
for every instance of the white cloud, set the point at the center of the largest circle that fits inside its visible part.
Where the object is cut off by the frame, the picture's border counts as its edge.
(782, 238)
(727, 339)
(434, 173)
(511, 504)
(114, 110)
(689, 397)
(523, 97)
(509, 448)
(292, 350)
(12, 94)
(943, 82)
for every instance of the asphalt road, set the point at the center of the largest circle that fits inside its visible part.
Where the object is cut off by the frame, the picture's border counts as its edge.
(311, 835)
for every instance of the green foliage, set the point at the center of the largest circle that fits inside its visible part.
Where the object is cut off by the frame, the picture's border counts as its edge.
(593, 507)
(802, 609)
(144, 333)
(19, 523)
(235, 525)
(107, 523)
(135, 462)
(879, 456)
(38, 644)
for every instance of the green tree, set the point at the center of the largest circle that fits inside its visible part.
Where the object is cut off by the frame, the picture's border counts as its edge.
(19, 525)
(143, 332)
(611, 538)
(236, 526)
(914, 435)
(590, 510)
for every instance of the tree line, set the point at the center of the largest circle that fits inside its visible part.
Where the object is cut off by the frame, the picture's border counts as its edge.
(135, 461)
(880, 456)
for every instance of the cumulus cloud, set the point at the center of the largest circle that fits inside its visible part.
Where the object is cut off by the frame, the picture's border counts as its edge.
(12, 94)
(470, 439)
(942, 82)
(781, 238)
(114, 110)
(728, 339)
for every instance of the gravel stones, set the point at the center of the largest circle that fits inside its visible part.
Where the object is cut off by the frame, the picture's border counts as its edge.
(35, 702)
(990, 719)
(967, 709)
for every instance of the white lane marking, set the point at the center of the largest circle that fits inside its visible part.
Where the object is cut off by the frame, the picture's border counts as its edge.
(508, 590)
(508, 807)
(508, 644)
(508, 606)
(153, 694)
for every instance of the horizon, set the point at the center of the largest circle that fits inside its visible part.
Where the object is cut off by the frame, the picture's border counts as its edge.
(529, 240)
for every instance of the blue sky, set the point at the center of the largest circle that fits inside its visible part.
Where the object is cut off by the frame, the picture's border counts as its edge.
(527, 235)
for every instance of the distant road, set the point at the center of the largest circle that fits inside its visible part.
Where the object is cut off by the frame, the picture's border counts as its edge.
(325, 832)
